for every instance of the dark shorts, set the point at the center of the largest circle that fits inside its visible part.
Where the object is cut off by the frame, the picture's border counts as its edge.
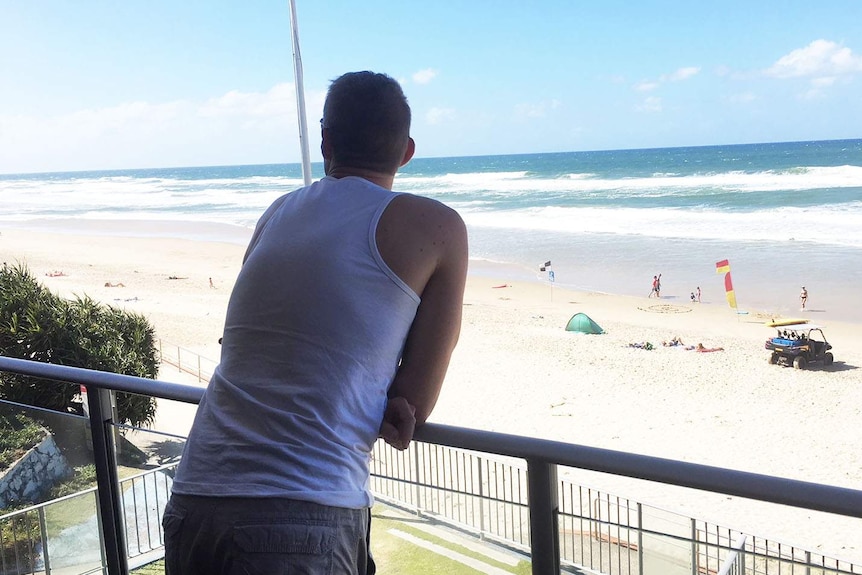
(232, 536)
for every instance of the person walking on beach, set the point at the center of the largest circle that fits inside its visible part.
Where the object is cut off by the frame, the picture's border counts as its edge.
(803, 297)
(654, 289)
(698, 294)
(339, 329)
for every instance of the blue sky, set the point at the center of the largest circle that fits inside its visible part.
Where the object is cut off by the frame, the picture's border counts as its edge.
(109, 85)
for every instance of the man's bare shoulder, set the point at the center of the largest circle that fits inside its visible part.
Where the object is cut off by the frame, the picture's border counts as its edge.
(423, 206)
(421, 215)
(419, 236)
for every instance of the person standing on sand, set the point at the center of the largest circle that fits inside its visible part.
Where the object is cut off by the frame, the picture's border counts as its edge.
(658, 286)
(698, 294)
(339, 329)
(654, 289)
(803, 297)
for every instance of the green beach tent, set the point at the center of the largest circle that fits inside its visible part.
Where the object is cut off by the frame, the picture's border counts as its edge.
(582, 323)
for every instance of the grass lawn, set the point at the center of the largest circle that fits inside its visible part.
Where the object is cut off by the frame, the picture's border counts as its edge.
(157, 568)
(60, 516)
(393, 554)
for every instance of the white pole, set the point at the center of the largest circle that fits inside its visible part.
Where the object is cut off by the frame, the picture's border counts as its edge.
(300, 96)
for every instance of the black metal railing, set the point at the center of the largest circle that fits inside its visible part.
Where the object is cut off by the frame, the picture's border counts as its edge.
(542, 460)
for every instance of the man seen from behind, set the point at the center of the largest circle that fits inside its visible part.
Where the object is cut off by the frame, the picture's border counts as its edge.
(340, 328)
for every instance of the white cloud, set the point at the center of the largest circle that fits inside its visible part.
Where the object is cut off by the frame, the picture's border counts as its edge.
(436, 116)
(134, 115)
(820, 58)
(236, 127)
(650, 104)
(536, 110)
(646, 86)
(817, 88)
(823, 82)
(677, 75)
(278, 101)
(683, 73)
(425, 76)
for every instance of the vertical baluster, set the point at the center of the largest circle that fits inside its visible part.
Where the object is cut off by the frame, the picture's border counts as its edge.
(638, 527)
(147, 510)
(126, 512)
(694, 548)
(479, 462)
(43, 533)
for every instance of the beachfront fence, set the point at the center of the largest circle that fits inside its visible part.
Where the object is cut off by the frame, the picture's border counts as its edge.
(64, 535)
(186, 361)
(488, 497)
(502, 488)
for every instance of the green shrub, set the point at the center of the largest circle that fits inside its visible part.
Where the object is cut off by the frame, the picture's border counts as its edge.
(40, 326)
(18, 434)
(83, 477)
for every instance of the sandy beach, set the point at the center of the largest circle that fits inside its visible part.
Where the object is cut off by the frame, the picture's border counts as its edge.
(727, 408)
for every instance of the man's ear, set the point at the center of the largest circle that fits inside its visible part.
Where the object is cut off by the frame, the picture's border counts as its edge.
(408, 153)
(325, 145)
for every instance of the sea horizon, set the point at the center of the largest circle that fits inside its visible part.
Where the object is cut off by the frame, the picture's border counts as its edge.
(785, 215)
(317, 166)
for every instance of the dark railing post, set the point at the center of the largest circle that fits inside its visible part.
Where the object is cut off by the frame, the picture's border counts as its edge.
(544, 518)
(105, 460)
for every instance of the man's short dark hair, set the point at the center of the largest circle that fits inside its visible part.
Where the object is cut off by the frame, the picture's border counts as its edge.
(367, 118)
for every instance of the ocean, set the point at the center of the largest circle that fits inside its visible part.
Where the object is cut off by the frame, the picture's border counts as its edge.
(785, 215)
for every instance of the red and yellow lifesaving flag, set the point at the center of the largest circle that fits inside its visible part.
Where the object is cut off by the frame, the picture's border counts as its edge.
(723, 267)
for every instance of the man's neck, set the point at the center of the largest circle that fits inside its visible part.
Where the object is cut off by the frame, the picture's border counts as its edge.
(381, 179)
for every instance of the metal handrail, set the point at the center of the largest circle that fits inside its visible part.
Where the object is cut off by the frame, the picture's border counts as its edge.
(793, 492)
(542, 456)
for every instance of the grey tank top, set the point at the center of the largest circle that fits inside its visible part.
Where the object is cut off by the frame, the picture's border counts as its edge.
(315, 329)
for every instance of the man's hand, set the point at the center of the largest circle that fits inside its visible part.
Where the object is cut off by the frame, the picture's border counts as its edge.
(399, 423)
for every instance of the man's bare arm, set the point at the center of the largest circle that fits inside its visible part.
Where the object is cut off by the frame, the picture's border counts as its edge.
(425, 243)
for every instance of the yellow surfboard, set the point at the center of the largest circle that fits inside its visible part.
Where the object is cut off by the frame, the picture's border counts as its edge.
(781, 322)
